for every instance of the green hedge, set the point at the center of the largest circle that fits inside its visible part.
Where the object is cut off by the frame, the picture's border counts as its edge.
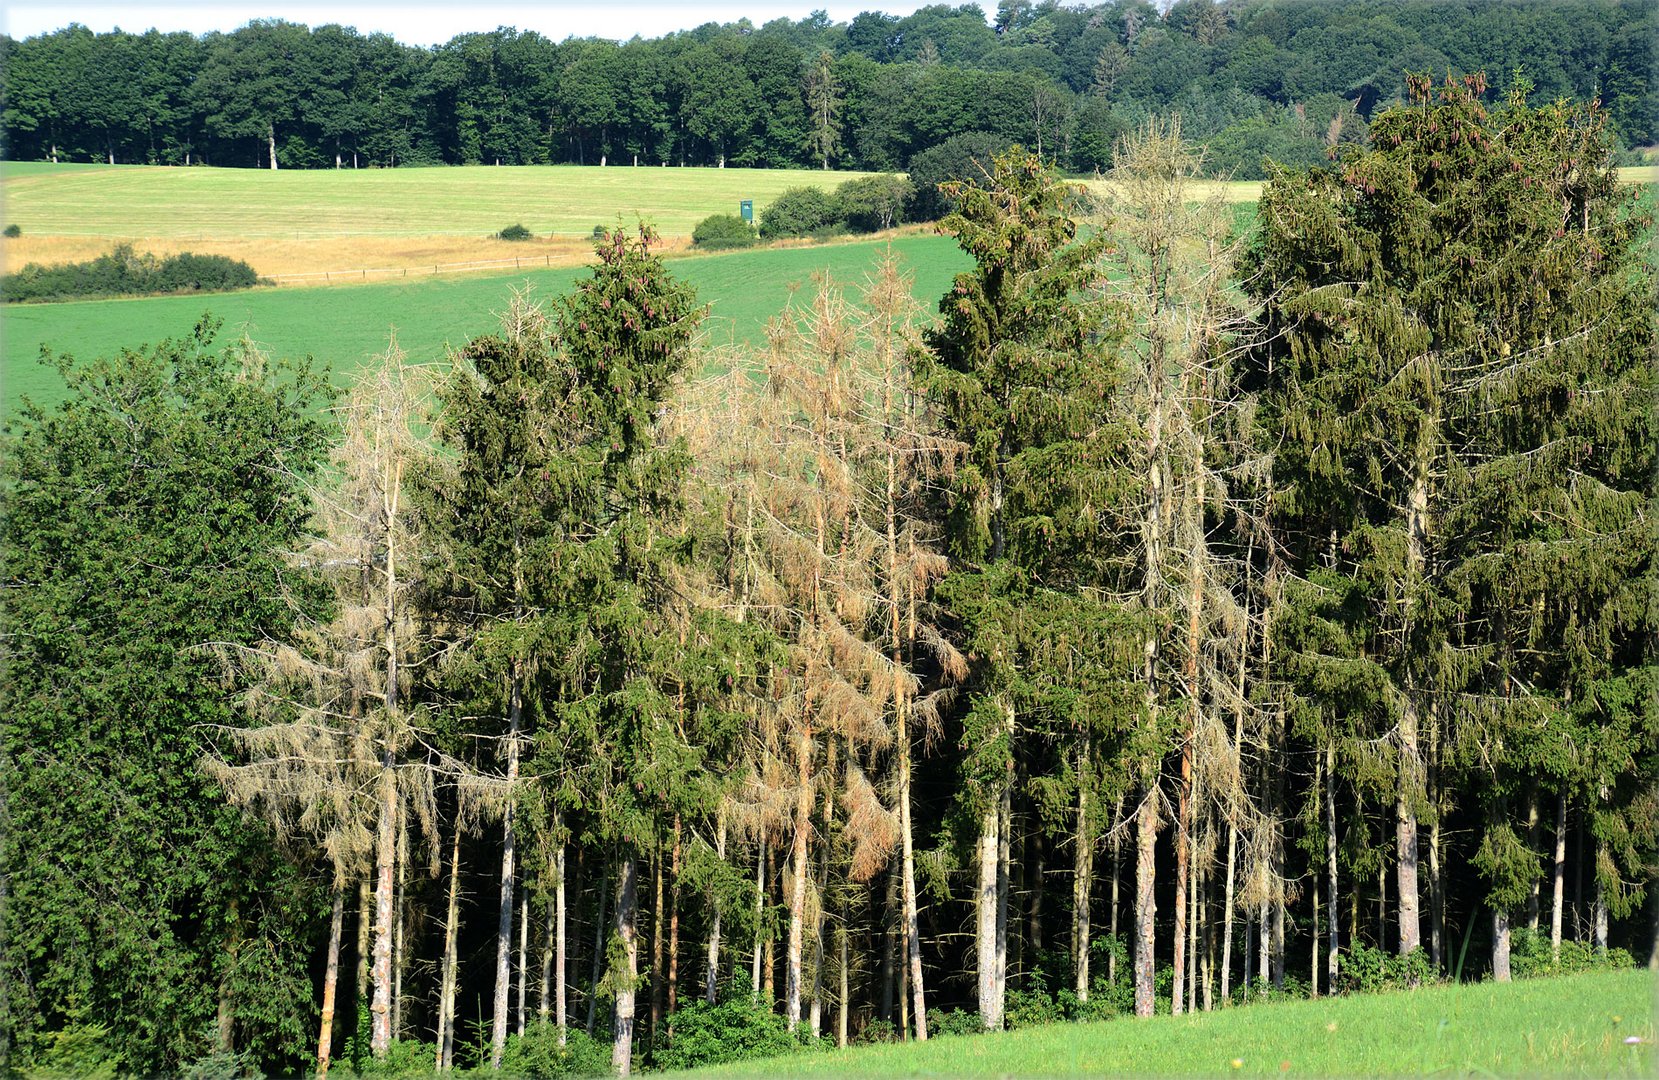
(123, 273)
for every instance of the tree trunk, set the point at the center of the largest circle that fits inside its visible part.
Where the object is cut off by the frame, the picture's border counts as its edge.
(797, 896)
(446, 995)
(1532, 845)
(622, 1046)
(504, 926)
(1146, 839)
(523, 956)
(674, 927)
(270, 138)
(561, 1013)
(1599, 912)
(760, 908)
(331, 981)
(713, 991)
(544, 999)
(1407, 789)
(1500, 946)
(986, 919)
(1558, 877)
(1117, 881)
(1005, 827)
(1334, 955)
(657, 942)
(892, 920)
(1227, 905)
(1082, 877)
(385, 864)
(841, 1019)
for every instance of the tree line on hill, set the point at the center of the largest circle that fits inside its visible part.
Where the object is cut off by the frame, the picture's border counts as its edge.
(1251, 78)
(1179, 619)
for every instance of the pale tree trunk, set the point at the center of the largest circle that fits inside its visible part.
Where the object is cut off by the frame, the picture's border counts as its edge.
(1334, 956)
(656, 939)
(1558, 877)
(912, 922)
(986, 919)
(1146, 839)
(1227, 904)
(1437, 881)
(1599, 912)
(446, 996)
(1313, 927)
(331, 981)
(1183, 805)
(712, 993)
(385, 860)
(504, 926)
(1406, 793)
(270, 139)
(1192, 939)
(1005, 826)
(797, 895)
(523, 956)
(1206, 924)
(1532, 845)
(544, 999)
(622, 1046)
(1500, 946)
(901, 708)
(674, 927)
(760, 908)
(561, 913)
(841, 1018)
(1082, 877)
(400, 931)
(1117, 881)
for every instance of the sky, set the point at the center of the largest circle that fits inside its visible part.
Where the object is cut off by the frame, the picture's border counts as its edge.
(428, 22)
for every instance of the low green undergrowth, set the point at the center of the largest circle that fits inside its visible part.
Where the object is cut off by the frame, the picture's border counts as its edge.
(123, 272)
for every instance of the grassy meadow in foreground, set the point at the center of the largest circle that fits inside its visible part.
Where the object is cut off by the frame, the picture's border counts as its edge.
(1569, 1026)
(343, 325)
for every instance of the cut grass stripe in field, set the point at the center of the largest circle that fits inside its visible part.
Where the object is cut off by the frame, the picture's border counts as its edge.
(345, 324)
(1570, 1026)
(147, 201)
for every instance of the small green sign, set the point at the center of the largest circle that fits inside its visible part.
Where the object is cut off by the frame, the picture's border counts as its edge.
(747, 209)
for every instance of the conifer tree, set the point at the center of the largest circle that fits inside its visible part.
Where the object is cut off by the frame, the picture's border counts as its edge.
(1017, 368)
(336, 752)
(1458, 317)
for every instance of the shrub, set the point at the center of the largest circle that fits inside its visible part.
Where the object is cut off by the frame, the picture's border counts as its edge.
(537, 1055)
(719, 1034)
(514, 232)
(954, 1022)
(1367, 970)
(122, 272)
(802, 211)
(720, 232)
(873, 202)
(222, 1065)
(960, 157)
(14, 229)
(1530, 955)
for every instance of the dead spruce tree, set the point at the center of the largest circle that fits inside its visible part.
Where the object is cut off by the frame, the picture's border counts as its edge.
(1170, 268)
(339, 757)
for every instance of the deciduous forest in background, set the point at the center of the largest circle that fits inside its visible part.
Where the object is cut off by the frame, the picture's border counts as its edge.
(1253, 78)
(1175, 619)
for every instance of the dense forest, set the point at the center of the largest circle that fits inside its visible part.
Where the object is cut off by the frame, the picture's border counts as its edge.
(1251, 78)
(1181, 618)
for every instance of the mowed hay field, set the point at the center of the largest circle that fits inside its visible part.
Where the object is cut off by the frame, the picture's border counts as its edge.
(344, 325)
(187, 204)
(1567, 1026)
(325, 220)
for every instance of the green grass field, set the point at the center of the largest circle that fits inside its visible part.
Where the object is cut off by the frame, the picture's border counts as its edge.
(1570, 1026)
(147, 201)
(343, 325)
